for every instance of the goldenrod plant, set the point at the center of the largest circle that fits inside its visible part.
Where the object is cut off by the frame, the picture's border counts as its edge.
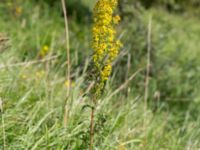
(106, 48)
(105, 44)
(33, 89)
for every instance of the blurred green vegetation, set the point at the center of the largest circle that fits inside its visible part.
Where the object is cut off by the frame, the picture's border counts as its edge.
(172, 6)
(34, 95)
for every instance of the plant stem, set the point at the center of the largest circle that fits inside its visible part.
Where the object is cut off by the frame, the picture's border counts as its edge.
(68, 59)
(146, 95)
(3, 127)
(92, 128)
(67, 43)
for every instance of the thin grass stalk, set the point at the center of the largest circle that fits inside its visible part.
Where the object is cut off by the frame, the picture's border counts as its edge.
(68, 59)
(26, 64)
(146, 95)
(3, 125)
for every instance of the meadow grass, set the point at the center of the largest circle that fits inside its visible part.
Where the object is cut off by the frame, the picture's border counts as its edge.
(33, 94)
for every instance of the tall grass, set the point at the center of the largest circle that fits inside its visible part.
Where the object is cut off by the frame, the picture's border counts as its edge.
(32, 90)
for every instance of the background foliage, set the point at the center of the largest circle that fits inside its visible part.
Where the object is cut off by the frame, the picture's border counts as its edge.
(33, 95)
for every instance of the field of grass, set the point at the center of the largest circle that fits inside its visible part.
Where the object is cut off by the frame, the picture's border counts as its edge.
(33, 87)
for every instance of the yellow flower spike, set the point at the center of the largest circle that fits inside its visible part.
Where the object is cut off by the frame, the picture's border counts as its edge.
(105, 48)
(105, 45)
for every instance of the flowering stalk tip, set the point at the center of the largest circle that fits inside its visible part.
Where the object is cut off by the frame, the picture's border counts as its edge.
(105, 44)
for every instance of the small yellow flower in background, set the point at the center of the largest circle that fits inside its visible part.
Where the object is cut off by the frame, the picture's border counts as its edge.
(24, 76)
(30, 75)
(40, 74)
(121, 147)
(67, 83)
(18, 10)
(44, 51)
(116, 19)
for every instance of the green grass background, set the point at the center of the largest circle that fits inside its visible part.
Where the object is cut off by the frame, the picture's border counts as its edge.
(33, 95)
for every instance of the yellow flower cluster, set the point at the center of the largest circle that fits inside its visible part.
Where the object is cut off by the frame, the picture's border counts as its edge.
(104, 44)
